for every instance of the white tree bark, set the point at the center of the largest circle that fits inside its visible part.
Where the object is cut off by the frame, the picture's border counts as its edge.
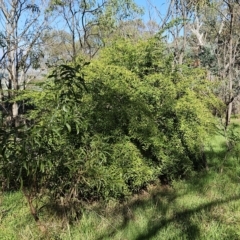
(24, 22)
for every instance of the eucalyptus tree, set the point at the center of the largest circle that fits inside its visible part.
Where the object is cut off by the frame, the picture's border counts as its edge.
(90, 22)
(22, 24)
(207, 32)
(216, 31)
(57, 47)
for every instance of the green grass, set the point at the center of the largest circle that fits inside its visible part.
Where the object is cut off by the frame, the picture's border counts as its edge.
(205, 206)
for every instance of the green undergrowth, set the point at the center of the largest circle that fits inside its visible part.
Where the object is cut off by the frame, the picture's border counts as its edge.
(204, 206)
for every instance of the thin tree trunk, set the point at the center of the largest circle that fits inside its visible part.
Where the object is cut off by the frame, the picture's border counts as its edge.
(230, 70)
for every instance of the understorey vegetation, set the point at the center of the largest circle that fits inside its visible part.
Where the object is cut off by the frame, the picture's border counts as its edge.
(106, 128)
(111, 118)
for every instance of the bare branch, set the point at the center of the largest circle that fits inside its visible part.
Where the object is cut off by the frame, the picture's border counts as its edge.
(195, 28)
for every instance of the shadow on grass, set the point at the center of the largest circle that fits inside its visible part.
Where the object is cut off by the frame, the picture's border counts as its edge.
(184, 216)
(159, 220)
(159, 197)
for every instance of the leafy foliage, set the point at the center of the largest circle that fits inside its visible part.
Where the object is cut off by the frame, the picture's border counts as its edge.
(107, 128)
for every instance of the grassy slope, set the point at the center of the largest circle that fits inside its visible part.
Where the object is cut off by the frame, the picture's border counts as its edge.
(206, 206)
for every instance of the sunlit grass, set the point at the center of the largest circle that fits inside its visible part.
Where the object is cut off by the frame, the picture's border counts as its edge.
(206, 206)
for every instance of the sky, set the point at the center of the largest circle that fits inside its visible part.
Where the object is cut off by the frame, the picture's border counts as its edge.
(153, 8)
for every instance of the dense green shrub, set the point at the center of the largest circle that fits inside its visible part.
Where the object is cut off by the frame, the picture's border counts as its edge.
(107, 128)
